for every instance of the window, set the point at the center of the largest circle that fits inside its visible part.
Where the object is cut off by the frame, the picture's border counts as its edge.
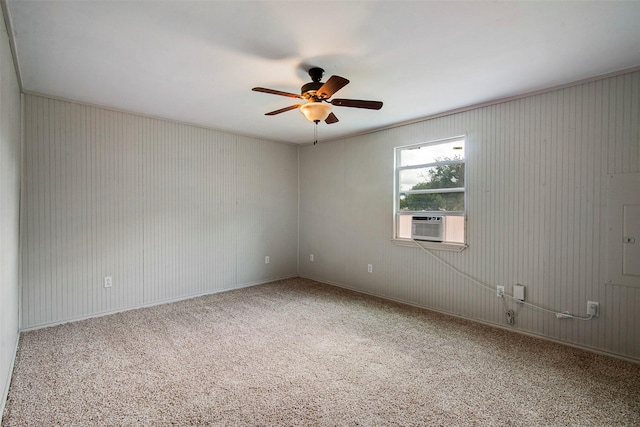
(430, 191)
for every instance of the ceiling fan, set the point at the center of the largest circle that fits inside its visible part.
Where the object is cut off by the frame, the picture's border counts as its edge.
(317, 94)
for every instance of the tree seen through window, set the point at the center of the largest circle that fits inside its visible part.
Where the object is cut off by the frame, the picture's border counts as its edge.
(441, 176)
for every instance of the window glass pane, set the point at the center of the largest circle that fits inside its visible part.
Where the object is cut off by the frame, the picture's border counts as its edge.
(432, 153)
(443, 176)
(432, 202)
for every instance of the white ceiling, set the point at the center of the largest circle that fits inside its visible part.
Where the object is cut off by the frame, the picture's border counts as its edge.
(197, 61)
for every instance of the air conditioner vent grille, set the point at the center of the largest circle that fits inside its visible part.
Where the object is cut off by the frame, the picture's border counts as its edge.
(430, 228)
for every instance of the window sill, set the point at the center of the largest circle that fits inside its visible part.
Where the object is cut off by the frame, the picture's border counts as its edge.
(452, 247)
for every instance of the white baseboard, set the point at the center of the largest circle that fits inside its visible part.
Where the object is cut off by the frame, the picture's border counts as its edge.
(152, 304)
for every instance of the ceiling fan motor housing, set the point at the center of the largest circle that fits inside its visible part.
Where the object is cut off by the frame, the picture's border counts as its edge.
(309, 90)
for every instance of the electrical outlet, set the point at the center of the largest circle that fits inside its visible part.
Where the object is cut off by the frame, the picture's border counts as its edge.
(311, 257)
(108, 282)
(500, 291)
(369, 268)
(593, 308)
(266, 260)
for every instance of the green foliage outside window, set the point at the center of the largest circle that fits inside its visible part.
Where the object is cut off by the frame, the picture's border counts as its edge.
(440, 176)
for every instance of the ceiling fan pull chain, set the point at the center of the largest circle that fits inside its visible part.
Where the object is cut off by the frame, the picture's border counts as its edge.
(315, 133)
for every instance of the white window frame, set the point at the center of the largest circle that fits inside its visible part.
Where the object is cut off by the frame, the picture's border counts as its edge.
(450, 246)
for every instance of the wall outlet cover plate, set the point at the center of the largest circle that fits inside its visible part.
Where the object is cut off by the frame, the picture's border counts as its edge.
(518, 292)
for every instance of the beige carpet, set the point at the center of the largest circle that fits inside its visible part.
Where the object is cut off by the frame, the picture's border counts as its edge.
(297, 352)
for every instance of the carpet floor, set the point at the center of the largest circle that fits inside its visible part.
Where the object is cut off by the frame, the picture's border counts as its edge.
(298, 352)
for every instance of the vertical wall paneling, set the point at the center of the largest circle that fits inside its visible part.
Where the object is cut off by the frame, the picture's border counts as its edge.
(321, 214)
(266, 175)
(161, 207)
(82, 212)
(536, 208)
(10, 174)
(189, 212)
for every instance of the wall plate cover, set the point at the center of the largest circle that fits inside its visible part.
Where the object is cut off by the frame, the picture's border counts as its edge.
(518, 292)
(593, 308)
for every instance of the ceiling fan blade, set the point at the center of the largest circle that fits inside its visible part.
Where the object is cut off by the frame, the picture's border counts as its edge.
(331, 86)
(331, 119)
(282, 110)
(276, 92)
(357, 103)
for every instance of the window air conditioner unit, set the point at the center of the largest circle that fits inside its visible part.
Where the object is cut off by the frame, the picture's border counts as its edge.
(430, 228)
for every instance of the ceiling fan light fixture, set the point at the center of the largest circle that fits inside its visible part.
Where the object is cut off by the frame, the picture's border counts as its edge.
(316, 111)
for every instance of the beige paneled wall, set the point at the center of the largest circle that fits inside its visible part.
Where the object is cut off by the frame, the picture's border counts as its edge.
(536, 199)
(268, 175)
(189, 210)
(165, 209)
(10, 169)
